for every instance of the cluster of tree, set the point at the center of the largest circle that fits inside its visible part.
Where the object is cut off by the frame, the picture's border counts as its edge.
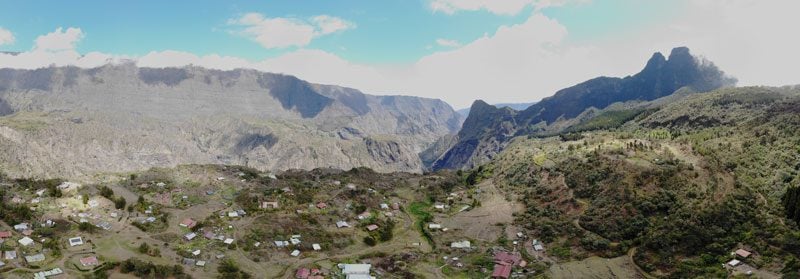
(119, 202)
(143, 269)
(145, 248)
(229, 270)
(791, 203)
(13, 213)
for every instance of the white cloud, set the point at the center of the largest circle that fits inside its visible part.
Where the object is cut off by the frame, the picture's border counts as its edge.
(6, 37)
(59, 39)
(504, 7)
(448, 43)
(328, 24)
(287, 32)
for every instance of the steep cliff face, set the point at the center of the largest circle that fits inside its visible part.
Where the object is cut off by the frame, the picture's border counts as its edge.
(66, 121)
(485, 134)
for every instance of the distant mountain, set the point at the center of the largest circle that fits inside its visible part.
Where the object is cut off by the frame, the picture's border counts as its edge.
(67, 121)
(487, 129)
(515, 106)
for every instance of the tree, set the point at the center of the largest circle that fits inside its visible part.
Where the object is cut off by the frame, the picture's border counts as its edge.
(144, 248)
(86, 227)
(370, 241)
(120, 203)
(106, 192)
(85, 198)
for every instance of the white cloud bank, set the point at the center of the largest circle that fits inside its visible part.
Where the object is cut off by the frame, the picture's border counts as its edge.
(502, 7)
(6, 37)
(282, 32)
(448, 43)
(751, 40)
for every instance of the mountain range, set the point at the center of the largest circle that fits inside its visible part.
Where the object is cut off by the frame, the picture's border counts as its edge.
(68, 121)
(488, 129)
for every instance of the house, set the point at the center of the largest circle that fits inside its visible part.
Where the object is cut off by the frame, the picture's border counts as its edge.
(228, 241)
(742, 253)
(460, 244)
(322, 205)
(241, 212)
(395, 206)
(5, 234)
(267, 205)
(25, 241)
(209, 235)
(501, 271)
(355, 271)
(190, 236)
(10, 255)
(104, 225)
(433, 226)
(188, 223)
(196, 253)
(734, 263)
(295, 253)
(364, 215)
(200, 263)
(537, 246)
(75, 241)
(384, 206)
(302, 273)
(49, 273)
(372, 227)
(507, 258)
(316, 246)
(27, 232)
(188, 261)
(281, 243)
(294, 241)
(439, 206)
(34, 258)
(21, 227)
(233, 214)
(89, 261)
(342, 224)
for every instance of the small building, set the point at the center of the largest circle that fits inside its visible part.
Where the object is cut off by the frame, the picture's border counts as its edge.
(295, 253)
(384, 206)
(294, 241)
(281, 243)
(228, 241)
(316, 246)
(200, 263)
(501, 271)
(104, 225)
(196, 253)
(190, 236)
(21, 227)
(270, 204)
(372, 227)
(322, 205)
(355, 271)
(537, 246)
(25, 241)
(27, 232)
(233, 214)
(35, 258)
(734, 263)
(364, 215)
(75, 241)
(342, 224)
(743, 253)
(5, 234)
(461, 244)
(10, 255)
(89, 261)
(48, 273)
(188, 223)
(433, 226)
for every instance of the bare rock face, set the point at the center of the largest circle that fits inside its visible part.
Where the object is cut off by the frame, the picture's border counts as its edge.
(66, 121)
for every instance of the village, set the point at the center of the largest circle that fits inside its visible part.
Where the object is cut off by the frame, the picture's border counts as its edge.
(195, 221)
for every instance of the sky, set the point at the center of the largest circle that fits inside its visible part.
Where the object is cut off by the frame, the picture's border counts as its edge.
(500, 51)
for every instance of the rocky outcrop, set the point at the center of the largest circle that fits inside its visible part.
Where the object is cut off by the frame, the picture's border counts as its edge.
(67, 121)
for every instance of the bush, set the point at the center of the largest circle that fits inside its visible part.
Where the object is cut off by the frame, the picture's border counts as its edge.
(370, 241)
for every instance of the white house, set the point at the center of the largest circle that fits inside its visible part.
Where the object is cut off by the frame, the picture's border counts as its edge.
(295, 253)
(75, 241)
(460, 244)
(433, 226)
(356, 271)
(342, 224)
(316, 247)
(25, 241)
(190, 236)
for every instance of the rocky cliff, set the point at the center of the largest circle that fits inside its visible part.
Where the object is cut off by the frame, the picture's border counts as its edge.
(67, 121)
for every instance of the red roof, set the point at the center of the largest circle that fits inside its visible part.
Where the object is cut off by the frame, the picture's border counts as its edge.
(501, 271)
(5, 234)
(743, 253)
(89, 261)
(372, 227)
(189, 223)
(507, 258)
(322, 205)
(302, 273)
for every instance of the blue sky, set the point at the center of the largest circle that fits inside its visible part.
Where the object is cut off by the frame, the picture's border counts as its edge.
(456, 50)
(387, 31)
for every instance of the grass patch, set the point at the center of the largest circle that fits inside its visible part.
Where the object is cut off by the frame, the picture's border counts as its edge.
(421, 214)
